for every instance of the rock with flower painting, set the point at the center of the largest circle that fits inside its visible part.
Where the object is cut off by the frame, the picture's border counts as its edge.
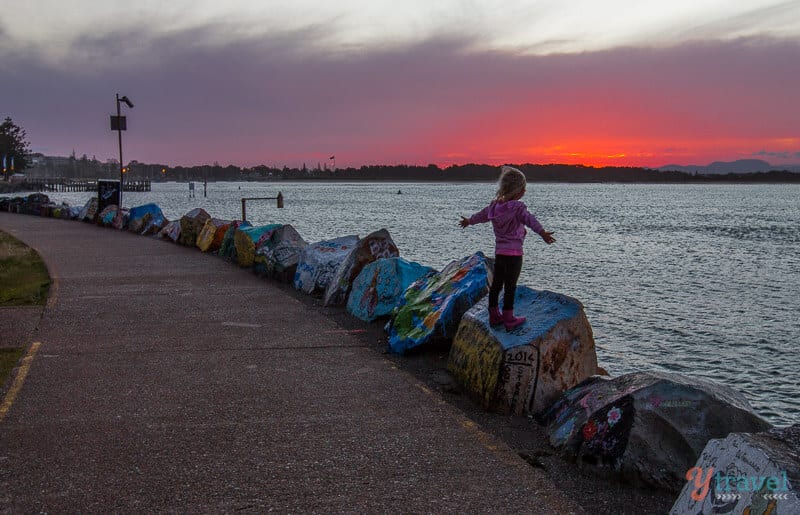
(526, 369)
(89, 211)
(431, 308)
(745, 473)
(648, 426)
(374, 246)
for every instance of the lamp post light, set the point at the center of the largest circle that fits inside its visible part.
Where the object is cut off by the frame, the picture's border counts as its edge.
(120, 125)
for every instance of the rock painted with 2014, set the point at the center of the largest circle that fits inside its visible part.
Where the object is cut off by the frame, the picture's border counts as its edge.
(171, 231)
(277, 256)
(191, 225)
(319, 261)
(210, 237)
(245, 239)
(378, 288)
(649, 426)
(745, 473)
(526, 369)
(431, 308)
(146, 219)
(374, 246)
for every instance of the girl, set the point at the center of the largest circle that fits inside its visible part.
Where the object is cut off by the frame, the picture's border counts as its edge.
(508, 216)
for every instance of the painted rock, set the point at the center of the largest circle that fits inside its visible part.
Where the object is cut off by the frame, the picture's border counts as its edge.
(245, 239)
(526, 369)
(107, 215)
(89, 211)
(210, 237)
(171, 231)
(378, 288)
(191, 225)
(431, 308)
(745, 473)
(227, 248)
(277, 256)
(318, 262)
(374, 246)
(146, 219)
(649, 426)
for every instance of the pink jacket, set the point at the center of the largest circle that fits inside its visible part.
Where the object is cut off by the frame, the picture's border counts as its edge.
(508, 221)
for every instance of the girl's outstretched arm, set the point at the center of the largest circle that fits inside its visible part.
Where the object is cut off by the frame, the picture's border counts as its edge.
(480, 217)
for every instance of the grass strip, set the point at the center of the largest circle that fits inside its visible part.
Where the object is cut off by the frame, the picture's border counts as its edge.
(8, 360)
(24, 280)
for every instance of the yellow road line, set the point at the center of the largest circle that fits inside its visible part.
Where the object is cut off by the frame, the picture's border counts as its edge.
(22, 372)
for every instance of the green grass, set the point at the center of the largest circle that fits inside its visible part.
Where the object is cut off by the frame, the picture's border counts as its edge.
(24, 280)
(8, 360)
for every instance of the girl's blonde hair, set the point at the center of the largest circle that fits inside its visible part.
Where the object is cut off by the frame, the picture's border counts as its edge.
(511, 183)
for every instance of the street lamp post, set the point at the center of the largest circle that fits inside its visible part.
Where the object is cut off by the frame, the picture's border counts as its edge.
(121, 125)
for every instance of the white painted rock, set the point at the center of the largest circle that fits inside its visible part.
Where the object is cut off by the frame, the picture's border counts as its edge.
(745, 473)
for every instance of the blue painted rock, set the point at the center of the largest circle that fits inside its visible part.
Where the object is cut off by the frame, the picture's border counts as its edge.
(107, 215)
(227, 248)
(378, 288)
(210, 237)
(526, 369)
(318, 262)
(374, 246)
(431, 308)
(745, 473)
(191, 225)
(146, 219)
(649, 426)
(89, 211)
(171, 231)
(245, 239)
(277, 256)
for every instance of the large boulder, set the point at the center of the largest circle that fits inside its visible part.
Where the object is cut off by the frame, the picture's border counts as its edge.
(374, 246)
(191, 225)
(378, 288)
(171, 231)
(745, 473)
(319, 261)
(277, 256)
(245, 239)
(146, 219)
(212, 234)
(524, 370)
(227, 249)
(106, 216)
(431, 308)
(89, 211)
(649, 426)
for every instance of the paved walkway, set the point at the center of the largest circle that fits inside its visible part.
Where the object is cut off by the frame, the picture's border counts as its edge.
(169, 380)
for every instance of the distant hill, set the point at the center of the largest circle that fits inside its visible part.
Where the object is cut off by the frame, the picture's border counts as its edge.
(722, 167)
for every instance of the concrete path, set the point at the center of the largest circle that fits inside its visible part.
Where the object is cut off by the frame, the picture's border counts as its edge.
(170, 380)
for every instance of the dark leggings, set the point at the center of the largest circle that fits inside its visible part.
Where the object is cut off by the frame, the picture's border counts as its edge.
(506, 273)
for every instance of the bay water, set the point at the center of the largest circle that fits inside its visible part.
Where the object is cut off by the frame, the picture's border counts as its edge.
(698, 279)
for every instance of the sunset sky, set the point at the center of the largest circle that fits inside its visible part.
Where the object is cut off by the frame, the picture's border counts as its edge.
(620, 82)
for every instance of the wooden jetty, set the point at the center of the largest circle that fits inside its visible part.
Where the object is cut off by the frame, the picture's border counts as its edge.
(62, 184)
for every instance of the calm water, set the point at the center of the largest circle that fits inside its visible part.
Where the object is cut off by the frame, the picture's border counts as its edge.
(697, 279)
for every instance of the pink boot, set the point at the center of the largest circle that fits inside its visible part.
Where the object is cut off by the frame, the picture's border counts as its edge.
(510, 321)
(495, 318)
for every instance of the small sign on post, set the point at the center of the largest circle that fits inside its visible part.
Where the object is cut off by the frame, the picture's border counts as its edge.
(118, 123)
